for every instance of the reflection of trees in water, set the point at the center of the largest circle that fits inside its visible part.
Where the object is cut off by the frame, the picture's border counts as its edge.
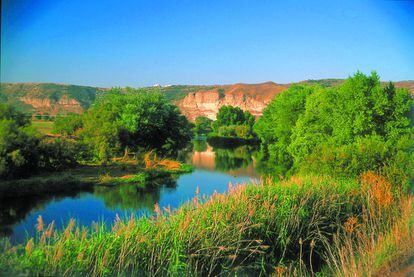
(266, 167)
(200, 145)
(14, 210)
(130, 196)
(233, 158)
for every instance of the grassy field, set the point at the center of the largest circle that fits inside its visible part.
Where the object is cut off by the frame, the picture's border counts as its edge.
(44, 127)
(300, 226)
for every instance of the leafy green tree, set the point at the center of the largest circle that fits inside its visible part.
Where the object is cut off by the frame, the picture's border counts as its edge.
(358, 126)
(275, 126)
(68, 125)
(18, 144)
(233, 122)
(229, 115)
(137, 120)
(203, 125)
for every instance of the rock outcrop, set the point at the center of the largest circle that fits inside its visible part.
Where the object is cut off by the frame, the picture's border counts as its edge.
(249, 97)
(47, 105)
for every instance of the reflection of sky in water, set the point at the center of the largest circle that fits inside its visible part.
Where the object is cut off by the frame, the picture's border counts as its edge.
(89, 207)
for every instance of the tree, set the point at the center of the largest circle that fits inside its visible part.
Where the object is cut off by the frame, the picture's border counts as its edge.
(229, 115)
(137, 120)
(358, 126)
(275, 126)
(18, 144)
(203, 125)
(233, 122)
(68, 125)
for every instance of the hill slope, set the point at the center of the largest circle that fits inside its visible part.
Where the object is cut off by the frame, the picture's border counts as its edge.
(41, 98)
(193, 101)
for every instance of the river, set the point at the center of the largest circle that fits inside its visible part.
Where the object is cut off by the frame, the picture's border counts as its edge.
(214, 169)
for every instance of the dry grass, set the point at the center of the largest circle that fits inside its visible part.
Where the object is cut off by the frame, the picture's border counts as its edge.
(151, 161)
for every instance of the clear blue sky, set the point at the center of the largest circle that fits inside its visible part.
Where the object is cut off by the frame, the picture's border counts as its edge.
(140, 43)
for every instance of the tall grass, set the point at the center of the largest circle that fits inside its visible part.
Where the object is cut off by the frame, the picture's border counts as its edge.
(297, 226)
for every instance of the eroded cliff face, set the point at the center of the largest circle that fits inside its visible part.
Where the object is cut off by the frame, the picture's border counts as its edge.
(47, 105)
(252, 98)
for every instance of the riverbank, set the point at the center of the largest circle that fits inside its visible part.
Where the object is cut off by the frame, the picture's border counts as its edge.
(301, 225)
(230, 142)
(86, 176)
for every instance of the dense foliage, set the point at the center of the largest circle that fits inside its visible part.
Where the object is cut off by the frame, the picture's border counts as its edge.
(203, 125)
(357, 126)
(137, 120)
(68, 124)
(234, 122)
(18, 143)
(23, 151)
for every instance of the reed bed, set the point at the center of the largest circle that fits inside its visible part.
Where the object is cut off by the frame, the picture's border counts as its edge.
(291, 227)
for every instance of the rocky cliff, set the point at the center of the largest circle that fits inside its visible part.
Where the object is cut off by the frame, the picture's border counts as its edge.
(252, 98)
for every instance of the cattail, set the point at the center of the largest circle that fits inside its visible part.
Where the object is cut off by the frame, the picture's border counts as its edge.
(40, 224)
(251, 212)
(29, 247)
(69, 228)
(59, 252)
(80, 256)
(157, 209)
(50, 229)
(195, 200)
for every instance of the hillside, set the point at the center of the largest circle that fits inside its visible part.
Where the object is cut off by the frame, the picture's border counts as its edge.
(48, 98)
(193, 101)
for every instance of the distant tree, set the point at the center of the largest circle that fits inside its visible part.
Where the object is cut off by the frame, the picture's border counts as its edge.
(229, 115)
(38, 116)
(46, 116)
(68, 125)
(203, 125)
(233, 122)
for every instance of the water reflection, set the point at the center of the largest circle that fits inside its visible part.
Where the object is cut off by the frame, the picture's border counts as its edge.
(133, 197)
(238, 160)
(215, 167)
(14, 210)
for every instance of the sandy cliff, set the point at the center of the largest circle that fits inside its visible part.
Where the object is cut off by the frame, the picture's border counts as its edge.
(252, 98)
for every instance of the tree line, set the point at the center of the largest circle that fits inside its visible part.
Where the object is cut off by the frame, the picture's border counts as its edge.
(344, 130)
(136, 120)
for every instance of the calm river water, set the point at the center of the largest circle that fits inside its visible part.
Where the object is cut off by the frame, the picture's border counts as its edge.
(214, 169)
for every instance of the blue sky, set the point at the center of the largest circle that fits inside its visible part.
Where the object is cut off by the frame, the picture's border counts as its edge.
(140, 43)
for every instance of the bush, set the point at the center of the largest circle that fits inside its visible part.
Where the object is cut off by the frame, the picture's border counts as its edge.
(346, 130)
(18, 144)
(68, 125)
